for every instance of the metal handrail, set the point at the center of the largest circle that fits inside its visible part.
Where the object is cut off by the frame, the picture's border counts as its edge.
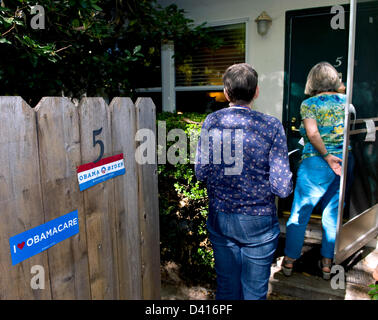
(358, 121)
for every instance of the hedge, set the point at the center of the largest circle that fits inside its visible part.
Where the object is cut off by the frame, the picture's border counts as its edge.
(183, 207)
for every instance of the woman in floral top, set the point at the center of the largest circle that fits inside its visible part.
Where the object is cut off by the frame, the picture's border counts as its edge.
(318, 175)
(244, 164)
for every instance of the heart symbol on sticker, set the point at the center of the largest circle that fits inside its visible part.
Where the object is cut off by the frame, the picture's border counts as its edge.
(21, 245)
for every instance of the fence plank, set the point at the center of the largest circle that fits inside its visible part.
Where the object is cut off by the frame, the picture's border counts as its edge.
(59, 151)
(126, 200)
(116, 253)
(20, 197)
(99, 203)
(149, 206)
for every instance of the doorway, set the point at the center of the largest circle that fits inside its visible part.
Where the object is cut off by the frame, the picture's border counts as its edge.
(309, 40)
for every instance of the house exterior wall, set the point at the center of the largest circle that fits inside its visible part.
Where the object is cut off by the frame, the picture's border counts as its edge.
(265, 53)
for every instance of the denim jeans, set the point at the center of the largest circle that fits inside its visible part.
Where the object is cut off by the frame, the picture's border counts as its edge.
(244, 247)
(316, 182)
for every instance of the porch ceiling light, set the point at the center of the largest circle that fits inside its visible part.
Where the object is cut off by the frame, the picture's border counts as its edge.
(263, 23)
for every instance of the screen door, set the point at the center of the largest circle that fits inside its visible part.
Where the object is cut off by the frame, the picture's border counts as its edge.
(358, 205)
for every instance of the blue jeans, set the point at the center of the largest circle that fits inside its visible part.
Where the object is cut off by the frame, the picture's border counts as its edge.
(316, 182)
(244, 248)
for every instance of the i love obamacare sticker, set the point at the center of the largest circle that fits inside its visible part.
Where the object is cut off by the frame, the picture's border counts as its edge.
(38, 239)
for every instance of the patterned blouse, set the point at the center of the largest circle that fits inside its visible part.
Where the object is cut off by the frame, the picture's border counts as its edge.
(328, 111)
(258, 164)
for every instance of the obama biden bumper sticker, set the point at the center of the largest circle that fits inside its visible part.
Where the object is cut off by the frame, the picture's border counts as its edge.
(93, 173)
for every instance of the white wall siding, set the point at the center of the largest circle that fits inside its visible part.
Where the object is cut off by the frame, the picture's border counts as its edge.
(266, 54)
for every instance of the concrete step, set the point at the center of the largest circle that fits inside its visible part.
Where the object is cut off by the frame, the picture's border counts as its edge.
(350, 282)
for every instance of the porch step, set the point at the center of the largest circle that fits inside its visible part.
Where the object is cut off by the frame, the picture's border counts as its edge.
(306, 282)
(313, 232)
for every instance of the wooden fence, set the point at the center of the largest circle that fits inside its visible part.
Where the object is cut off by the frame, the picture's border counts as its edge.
(116, 254)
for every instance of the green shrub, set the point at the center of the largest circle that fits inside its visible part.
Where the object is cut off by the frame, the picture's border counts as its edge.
(373, 293)
(184, 207)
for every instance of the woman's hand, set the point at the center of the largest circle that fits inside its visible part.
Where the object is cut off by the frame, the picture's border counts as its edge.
(334, 163)
(316, 140)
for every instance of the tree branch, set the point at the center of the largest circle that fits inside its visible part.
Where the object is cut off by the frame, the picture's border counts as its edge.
(14, 25)
(61, 49)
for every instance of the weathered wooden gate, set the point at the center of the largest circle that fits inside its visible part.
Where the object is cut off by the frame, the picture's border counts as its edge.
(116, 254)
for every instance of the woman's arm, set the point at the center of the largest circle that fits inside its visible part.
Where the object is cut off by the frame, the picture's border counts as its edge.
(316, 140)
(280, 176)
(201, 166)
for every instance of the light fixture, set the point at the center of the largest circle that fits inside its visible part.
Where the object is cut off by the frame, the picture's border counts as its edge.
(263, 23)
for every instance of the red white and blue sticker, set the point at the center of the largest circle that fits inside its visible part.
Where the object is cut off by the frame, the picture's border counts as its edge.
(38, 239)
(92, 173)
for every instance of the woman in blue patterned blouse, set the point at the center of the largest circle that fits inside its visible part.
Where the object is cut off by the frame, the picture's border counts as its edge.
(242, 156)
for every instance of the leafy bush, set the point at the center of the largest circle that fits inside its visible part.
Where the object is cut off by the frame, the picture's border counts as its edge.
(184, 208)
(373, 293)
(90, 47)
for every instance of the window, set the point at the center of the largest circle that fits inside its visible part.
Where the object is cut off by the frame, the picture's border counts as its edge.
(206, 67)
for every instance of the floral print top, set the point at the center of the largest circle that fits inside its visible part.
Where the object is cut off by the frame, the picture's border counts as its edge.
(257, 141)
(328, 111)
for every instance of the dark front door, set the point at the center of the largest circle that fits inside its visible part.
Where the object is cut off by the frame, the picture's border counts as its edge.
(310, 39)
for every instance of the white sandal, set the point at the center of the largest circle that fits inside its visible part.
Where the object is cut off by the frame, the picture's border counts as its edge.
(287, 271)
(321, 264)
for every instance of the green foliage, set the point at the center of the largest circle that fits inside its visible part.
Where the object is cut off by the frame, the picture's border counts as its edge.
(88, 47)
(184, 208)
(374, 292)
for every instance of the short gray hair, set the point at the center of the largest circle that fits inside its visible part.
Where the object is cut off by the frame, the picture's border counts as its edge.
(240, 82)
(322, 77)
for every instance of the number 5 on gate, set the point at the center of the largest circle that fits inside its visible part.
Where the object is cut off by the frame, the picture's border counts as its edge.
(96, 133)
